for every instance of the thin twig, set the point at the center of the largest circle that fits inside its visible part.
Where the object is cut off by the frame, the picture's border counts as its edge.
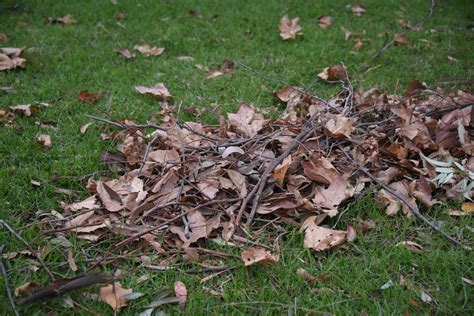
(125, 126)
(147, 151)
(404, 201)
(8, 227)
(5, 280)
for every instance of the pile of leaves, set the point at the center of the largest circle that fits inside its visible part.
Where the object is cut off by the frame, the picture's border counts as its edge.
(186, 182)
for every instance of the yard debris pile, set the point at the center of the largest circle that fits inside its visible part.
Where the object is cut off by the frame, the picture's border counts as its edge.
(186, 182)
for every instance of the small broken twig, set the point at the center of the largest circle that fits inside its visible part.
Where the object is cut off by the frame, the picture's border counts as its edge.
(9, 228)
(5, 280)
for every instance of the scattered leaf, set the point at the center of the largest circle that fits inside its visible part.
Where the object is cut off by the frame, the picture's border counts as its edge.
(226, 68)
(254, 255)
(70, 260)
(67, 19)
(26, 288)
(44, 140)
(324, 21)
(411, 246)
(114, 295)
(289, 29)
(84, 128)
(159, 91)
(89, 97)
(334, 73)
(147, 50)
(181, 293)
(125, 53)
(358, 9)
(351, 234)
(400, 39)
(10, 58)
(320, 238)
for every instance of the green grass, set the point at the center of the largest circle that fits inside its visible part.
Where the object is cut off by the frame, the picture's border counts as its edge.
(63, 60)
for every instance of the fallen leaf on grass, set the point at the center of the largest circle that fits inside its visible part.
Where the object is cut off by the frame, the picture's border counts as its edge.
(120, 15)
(89, 97)
(289, 29)
(333, 73)
(311, 278)
(324, 21)
(114, 295)
(246, 121)
(467, 281)
(181, 293)
(426, 298)
(70, 260)
(467, 207)
(411, 246)
(185, 58)
(147, 50)
(400, 39)
(10, 58)
(159, 91)
(3, 37)
(406, 24)
(227, 67)
(44, 140)
(320, 238)
(357, 9)
(25, 288)
(26, 109)
(347, 33)
(125, 53)
(111, 199)
(258, 255)
(351, 233)
(84, 128)
(67, 19)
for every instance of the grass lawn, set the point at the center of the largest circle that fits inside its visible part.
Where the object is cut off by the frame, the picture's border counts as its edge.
(66, 59)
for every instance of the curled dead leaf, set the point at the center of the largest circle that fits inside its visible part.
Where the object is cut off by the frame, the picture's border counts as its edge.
(125, 53)
(159, 91)
(333, 73)
(400, 39)
(44, 140)
(114, 295)
(181, 293)
(358, 9)
(320, 238)
(324, 21)
(147, 50)
(258, 255)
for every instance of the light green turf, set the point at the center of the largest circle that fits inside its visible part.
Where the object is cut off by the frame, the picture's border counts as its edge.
(63, 60)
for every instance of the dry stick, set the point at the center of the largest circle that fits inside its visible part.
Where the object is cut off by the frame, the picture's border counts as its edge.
(404, 201)
(8, 227)
(147, 151)
(5, 279)
(125, 126)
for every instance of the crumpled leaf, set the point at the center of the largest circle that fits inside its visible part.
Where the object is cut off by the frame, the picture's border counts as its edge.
(226, 68)
(339, 127)
(358, 9)
(26, 288)
(254, 255)
(114, 295)
(44, 140)
(125, 53)
(67, 19)
(324, 21)
(333, 73)
(289, 29)
(27, 109)
(111, 199)
(246, 121)
(10, 58)
(147, 50)
(400, 39)
(159, 91)
(199, 228)
(181, 293)
(319, 238)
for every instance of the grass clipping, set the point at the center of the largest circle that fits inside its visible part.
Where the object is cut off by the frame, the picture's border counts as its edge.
(186, 182)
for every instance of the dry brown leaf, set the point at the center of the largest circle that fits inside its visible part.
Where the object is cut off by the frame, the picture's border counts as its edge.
(44, 140)
(400, 39)
(239, 181)
(159, 91)
(125, 53)
(357, 44)
(10, 58)
(89, 97)
(339, 127)
(324, 21)
(111, 199)
(347, 33)
(351, 233)
(114, 295)
(320, 238)
(258, 255)
(181, 293)
(406, 24)
(227, 67)
(306, 275)
(289, 29)
(411, 246)
(357, 9)
(320, 169)
(232, 149)
(26, 288)
(209, 187)
(89, 204)
(468, 207)
(199, 228)
(70, 260)
(67, 19)
(147, 50)
(84, 128)
(26, 109)
(3, 37)
(280, 171)
(246, 121)
(333, 73)
(120, 15)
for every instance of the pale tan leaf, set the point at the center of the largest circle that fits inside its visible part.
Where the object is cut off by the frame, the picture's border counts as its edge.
(289, 29)
(324, 21)
(181, 293)
(110, 198)
(147, 50)
(70, 260)
(358, 9)
(258, 255)
(84, 128)
(320, 238)
(159, 91)
(44, 140)
(114, 295)
(25, 288)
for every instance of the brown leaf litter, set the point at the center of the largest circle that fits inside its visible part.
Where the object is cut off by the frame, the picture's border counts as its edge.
(185, 182)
